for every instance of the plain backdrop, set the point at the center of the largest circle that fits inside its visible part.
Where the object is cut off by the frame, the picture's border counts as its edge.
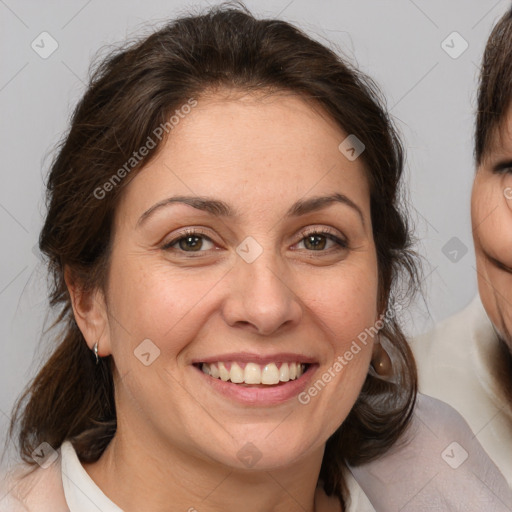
(424, 55)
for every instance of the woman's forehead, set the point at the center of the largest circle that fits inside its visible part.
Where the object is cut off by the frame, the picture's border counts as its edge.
(275, 153)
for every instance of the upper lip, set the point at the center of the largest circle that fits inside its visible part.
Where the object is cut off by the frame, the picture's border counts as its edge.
(246, 357)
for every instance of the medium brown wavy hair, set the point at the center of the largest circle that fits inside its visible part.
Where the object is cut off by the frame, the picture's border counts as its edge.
(495, 86)
(132, 92)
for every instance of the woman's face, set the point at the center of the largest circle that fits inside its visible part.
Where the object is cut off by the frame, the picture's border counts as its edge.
(491, 212)
(233, 277)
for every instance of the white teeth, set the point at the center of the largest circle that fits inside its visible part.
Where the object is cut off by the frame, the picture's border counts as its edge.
(284, 373)
(223, 372)
(236, 375)
(270, 374)
(214, 371)
(253, 373)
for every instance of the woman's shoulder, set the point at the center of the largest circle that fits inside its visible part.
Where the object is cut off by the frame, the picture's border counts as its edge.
(438, 461)
(32, 488)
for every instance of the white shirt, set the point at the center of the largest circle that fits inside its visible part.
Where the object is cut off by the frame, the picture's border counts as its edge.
(81, 492)
(457, 363)
(65, 486)
(396, 480)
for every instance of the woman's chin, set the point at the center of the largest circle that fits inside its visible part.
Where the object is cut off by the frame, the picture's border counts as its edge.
(257, 456)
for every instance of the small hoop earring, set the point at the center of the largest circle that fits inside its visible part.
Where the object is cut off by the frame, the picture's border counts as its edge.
(95, 349)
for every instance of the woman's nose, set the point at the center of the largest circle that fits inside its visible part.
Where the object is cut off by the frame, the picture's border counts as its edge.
(260, 295)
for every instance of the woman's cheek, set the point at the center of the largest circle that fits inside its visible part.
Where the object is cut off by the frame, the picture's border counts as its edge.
(496, 235)
(507, 189)
(492, 217)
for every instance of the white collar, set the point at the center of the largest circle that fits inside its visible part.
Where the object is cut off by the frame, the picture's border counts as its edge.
(487, 354)
(82, 494)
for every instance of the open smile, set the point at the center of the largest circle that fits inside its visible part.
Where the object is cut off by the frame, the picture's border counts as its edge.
(252, 373)
(257, 383)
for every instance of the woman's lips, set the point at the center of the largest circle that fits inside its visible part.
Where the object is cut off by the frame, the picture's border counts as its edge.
(258, 394)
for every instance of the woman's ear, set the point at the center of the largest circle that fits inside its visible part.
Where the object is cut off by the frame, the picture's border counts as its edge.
(90, 312)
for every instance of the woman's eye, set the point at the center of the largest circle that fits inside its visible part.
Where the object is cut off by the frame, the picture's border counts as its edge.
(320, 241)
(191, 241)
(196, 241)
(503, 167)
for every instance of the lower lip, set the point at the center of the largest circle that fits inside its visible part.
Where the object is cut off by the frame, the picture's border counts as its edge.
(260, 396)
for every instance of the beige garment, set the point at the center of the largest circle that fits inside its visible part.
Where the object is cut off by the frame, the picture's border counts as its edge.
(357, 500)
(457, 363)
(416, 474)
(65, 486)
(437, 465)
(39, 491)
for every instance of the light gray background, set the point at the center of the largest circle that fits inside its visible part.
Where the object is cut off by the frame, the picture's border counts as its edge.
(430, 94)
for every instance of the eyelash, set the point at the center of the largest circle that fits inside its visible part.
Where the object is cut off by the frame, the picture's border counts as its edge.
(504, 168)
(342, 244)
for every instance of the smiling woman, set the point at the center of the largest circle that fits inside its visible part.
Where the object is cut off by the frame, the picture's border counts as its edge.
(255, 246)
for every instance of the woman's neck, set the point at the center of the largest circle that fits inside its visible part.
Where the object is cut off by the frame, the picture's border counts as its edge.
(137, 474)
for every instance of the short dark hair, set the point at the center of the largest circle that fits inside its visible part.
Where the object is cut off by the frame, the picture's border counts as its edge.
(495, 87)
(131, 94)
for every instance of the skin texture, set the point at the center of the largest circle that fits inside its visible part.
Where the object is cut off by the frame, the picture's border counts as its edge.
(177, 439)
(491, 214)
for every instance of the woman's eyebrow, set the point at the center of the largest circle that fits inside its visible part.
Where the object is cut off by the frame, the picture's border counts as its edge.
(219, 208)
(311, 204)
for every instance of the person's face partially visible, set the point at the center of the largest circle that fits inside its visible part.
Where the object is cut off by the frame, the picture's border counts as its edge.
(491, 214)
(247, 291)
